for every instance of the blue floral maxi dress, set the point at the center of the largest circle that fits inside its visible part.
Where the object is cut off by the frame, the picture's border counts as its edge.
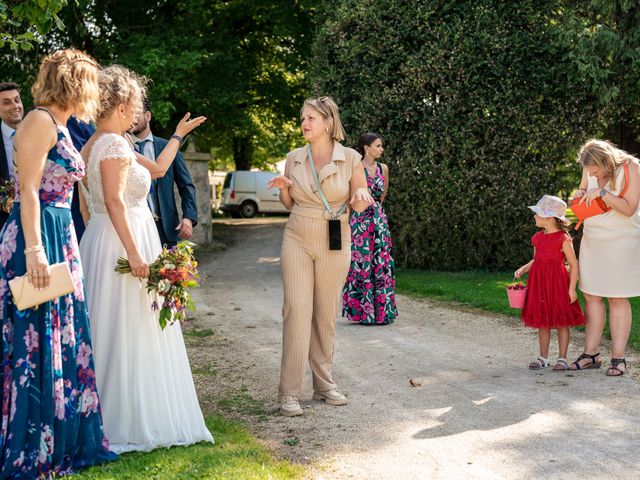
(51, 421)
(369, 295)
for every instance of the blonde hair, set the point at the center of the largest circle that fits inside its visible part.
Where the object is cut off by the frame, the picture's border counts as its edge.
(68, 79)
(119, 85)
(328, 109)
(604, 155)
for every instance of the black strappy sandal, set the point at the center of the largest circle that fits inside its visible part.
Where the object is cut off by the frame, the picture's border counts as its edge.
(614, 367)
(594, 363)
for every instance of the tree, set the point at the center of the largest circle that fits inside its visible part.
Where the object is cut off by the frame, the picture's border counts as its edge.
(241, 63)
(607, 53)
(482, 111)
(22, 22)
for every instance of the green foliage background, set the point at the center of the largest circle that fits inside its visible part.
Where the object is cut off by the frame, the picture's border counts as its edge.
(482, 104)
(242, 63)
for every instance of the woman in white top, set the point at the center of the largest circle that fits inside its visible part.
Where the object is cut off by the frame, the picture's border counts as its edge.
(609, 259)
(142, 372)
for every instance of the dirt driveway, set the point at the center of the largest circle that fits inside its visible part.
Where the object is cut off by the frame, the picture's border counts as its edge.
(477, 413)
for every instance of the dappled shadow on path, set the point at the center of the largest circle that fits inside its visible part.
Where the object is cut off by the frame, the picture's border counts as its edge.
(477, 413)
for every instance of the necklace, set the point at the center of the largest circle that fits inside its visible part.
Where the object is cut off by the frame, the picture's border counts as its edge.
(370, 168)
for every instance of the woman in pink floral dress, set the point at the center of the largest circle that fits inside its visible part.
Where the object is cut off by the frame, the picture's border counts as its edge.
(369, 295)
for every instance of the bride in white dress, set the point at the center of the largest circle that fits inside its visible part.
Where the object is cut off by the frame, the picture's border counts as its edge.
(143, 375)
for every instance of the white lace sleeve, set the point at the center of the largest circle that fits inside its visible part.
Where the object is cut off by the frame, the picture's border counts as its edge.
(113, 146)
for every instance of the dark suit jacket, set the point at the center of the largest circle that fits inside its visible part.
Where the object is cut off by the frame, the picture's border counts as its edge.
(4, 175)
(80, 133)
(179, 175)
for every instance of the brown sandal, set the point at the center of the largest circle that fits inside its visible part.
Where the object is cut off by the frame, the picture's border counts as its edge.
(594, 363)
(615, 362)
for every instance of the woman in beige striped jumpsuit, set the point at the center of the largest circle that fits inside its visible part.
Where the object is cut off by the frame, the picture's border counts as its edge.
(312, 274)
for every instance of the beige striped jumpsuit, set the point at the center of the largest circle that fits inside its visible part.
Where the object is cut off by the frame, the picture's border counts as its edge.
(313, 275)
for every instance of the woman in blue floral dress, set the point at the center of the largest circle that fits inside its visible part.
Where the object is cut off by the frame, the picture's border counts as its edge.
(369, 295)
(51, 422)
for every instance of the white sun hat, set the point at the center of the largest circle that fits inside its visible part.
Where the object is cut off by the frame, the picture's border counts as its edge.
(551, 206)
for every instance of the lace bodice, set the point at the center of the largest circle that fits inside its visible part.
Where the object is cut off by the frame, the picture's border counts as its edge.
(112, 146)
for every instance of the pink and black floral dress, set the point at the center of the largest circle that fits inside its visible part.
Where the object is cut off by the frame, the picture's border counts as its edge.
(369, 295)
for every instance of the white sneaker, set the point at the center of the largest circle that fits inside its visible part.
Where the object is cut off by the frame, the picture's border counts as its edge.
(332, 397)
(289, 406)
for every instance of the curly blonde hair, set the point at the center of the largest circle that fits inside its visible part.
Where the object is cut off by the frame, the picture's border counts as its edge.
(68, 79)
(604, 155)
(119, 85)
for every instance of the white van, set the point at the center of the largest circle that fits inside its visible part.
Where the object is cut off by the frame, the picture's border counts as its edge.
(245, 193)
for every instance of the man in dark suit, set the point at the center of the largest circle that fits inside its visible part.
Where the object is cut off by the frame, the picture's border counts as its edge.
(11, 113)
(80, 132)
(161, 200)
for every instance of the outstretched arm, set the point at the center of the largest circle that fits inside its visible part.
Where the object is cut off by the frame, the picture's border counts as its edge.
(360, 197)
(283, 183)
(166, 158)
(524, 268)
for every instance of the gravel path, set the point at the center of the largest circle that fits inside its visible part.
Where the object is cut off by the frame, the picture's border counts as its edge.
(476, 412)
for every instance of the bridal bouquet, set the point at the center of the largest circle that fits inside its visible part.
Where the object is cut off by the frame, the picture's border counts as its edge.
(7, 193)
(171, 275)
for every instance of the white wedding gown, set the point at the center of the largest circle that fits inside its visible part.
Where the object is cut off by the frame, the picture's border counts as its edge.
(143, 375)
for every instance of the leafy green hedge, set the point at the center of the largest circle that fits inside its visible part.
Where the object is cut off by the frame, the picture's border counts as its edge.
(482, 106)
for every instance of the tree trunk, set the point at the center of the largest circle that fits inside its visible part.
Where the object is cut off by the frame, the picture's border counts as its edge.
(242, 152)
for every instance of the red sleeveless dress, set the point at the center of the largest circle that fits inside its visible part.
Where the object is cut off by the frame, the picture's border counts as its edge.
(547, 302)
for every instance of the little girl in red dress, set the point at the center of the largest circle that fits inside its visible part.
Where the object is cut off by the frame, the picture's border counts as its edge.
(551, 301)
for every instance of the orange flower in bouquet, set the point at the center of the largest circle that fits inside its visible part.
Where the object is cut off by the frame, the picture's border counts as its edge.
(171, 276)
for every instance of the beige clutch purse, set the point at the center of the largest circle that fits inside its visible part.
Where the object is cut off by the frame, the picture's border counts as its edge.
(26, 296)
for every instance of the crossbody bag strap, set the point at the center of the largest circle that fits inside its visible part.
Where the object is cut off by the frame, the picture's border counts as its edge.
(332, 214)
(626, 179)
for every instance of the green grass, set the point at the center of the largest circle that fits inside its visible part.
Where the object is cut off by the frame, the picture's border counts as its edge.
(205, 332)
(235, 455)
(241, 402)
(482, 290)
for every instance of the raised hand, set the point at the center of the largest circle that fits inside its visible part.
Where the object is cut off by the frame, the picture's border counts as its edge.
(279, 182)
(362, 195)
(188, 124)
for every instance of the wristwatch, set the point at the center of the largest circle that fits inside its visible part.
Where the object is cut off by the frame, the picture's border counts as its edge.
(603, 192)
